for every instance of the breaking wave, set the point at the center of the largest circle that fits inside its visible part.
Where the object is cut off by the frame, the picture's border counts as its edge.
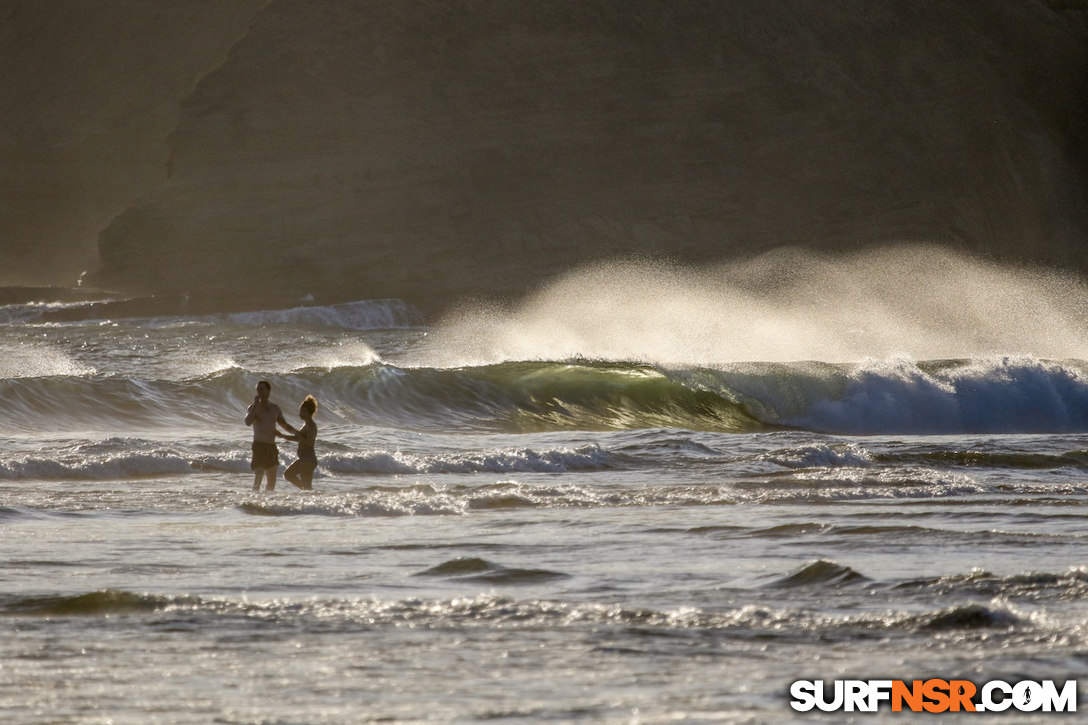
(898, 396)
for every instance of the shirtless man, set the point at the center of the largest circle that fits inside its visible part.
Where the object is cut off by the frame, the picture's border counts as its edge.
(264, 416)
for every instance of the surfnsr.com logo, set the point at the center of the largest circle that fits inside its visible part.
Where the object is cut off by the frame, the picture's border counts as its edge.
(933, 696)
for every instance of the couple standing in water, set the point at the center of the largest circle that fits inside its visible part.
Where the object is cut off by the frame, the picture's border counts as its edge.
(264, 415)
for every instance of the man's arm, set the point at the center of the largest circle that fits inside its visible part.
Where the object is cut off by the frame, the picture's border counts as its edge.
(251, 414)
(284, 423)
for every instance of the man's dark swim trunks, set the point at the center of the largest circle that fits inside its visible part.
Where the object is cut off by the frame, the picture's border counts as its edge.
(265, 455)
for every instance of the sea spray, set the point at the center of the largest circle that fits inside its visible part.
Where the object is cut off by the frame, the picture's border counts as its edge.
(39, 359)
(920, 301)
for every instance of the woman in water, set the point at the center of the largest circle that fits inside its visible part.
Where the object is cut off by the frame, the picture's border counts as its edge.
(301, 472)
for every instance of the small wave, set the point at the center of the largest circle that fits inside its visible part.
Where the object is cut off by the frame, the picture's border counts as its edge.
(90, 467)
(820, 572)
(362, 315)
(673, 446)
(986, 459)
(901, 533)
(791, 531)
(1036, 586)
(815, 485)
(99, 603)
(170, 311)
(819, 456)
(478, 570)
(495, 611)
(457, 567)
(29, 304)
(122, 458)
(891, 478)
(969, 616)
(521, 460)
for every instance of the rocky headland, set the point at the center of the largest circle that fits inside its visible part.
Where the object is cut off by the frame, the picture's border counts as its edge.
(434, 151)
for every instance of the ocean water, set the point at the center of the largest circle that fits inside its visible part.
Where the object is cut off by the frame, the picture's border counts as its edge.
(575, 532)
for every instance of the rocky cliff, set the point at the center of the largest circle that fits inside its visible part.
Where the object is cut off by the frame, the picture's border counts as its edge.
(436, 150)
(89, 94)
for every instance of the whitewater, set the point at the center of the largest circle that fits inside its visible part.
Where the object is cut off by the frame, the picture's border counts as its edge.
(644, 493)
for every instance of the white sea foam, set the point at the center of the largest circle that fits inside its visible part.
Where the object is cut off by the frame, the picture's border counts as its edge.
(499, 461)
(119, 466)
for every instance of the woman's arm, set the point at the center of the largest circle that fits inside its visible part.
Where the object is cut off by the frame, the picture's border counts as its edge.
(307, 434)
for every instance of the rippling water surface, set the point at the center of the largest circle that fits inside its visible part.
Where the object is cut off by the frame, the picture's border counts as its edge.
(519, 540)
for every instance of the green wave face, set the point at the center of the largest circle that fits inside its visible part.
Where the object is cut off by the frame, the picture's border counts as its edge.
(1005, 395)
(587, 395)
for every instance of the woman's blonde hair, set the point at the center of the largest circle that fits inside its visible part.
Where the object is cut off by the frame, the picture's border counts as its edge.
(311, 403)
